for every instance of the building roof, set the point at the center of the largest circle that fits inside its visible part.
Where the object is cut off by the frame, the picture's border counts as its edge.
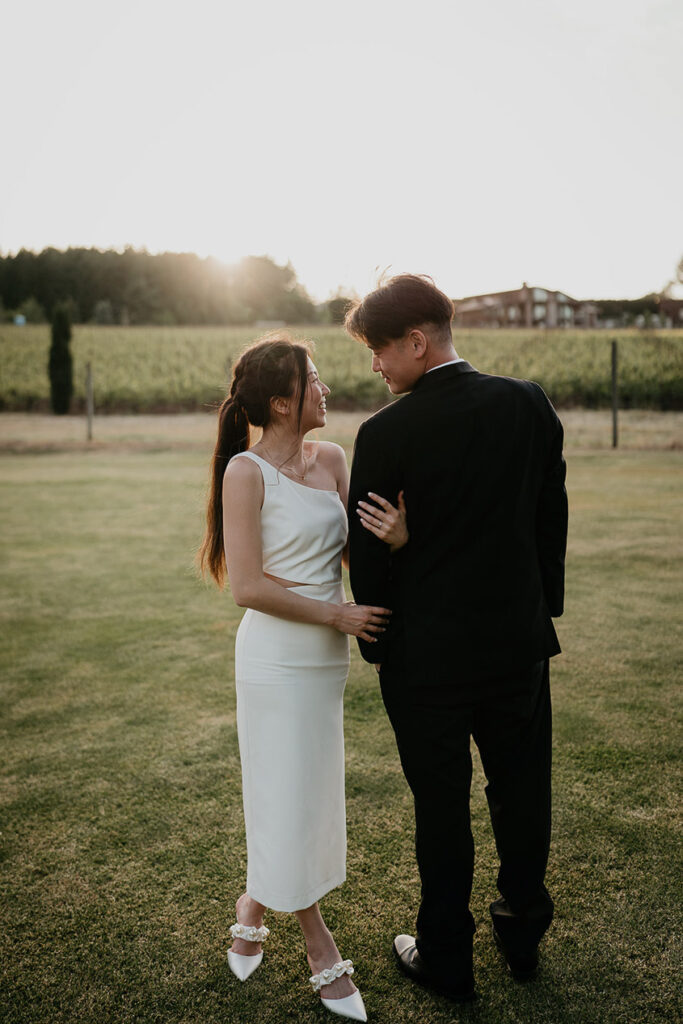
(487, 300)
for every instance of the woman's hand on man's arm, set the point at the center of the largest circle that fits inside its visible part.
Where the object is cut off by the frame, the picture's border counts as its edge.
(384, 520)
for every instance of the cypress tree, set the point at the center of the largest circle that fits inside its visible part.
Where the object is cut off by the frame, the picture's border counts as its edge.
(60, 365)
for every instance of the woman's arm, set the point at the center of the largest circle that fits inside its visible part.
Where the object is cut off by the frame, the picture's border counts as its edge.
(335, 459)
(242, 500)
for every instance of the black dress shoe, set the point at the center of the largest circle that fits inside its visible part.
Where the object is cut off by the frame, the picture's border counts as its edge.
(410, 963)
(522, 964)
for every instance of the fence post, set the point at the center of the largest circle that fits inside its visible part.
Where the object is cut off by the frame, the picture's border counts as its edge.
(615, 399)
(89, 398)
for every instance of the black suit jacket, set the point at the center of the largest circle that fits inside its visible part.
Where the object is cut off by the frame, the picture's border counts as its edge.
(480, 460)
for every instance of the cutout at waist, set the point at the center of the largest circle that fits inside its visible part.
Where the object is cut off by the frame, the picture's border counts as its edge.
(283, 583)
(289, 584)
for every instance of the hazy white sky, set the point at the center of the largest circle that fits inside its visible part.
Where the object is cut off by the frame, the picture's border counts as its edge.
(484, 142)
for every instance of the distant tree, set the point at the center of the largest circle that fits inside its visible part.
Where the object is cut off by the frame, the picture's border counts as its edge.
(33, 311)
(103, 312)
(60, 364)
(72, 308)
(271, 291)
(669, 290)
(161, 288)
(628, 311)
(336, 308)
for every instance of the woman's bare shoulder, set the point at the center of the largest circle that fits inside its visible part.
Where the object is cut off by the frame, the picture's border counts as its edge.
(242, 472)
(329, 453)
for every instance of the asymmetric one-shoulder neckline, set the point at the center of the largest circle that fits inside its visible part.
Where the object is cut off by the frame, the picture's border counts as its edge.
(307, 487)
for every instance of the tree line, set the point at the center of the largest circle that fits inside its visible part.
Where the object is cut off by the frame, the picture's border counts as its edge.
(138, 287)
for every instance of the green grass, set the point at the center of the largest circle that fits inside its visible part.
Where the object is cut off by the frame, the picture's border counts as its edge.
(122, 848)
(152, 369)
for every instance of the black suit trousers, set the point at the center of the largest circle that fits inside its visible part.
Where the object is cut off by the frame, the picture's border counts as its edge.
(510, 721)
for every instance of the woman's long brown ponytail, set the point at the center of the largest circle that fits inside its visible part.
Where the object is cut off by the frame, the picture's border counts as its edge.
(233, 437)
(272, 367)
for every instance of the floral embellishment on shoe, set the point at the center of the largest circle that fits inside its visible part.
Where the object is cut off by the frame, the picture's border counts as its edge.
(331, 974)
(249, 933)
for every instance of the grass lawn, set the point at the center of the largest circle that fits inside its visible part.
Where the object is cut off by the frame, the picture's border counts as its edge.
(122, 846)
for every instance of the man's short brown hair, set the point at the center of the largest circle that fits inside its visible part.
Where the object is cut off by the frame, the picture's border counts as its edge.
(404, 302)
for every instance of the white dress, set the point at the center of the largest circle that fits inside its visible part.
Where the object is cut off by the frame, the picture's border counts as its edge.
(290, 679)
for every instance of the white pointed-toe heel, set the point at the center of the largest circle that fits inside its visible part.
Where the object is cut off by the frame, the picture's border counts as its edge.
(240, 965)
(351, 1006)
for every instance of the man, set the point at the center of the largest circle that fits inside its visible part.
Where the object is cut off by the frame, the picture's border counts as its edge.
(479, 459)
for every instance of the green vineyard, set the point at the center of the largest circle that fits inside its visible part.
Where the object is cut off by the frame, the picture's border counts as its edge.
(166, 369)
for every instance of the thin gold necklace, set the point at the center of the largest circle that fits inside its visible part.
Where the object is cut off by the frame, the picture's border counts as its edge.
(290, 469)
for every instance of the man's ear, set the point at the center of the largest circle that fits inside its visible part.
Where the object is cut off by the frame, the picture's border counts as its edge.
(418, 342)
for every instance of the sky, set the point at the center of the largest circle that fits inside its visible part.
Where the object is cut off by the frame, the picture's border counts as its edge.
(484, 142)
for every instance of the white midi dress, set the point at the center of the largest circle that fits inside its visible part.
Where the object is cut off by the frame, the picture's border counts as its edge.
(290, 679)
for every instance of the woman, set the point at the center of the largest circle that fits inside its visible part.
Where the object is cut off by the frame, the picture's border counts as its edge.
(277, 521)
